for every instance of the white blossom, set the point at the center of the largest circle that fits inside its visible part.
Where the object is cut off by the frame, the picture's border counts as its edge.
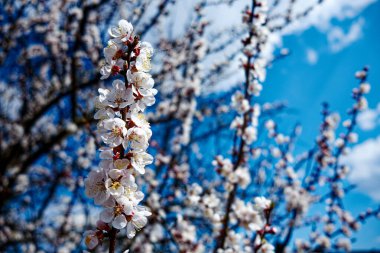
(136, 138)
(113, 130)
(239, 103)
(137, 221)
(143, 59)
(262, 203)
(122, 32)
(95, 187)
(119, 97)
(90, 239)
(266, 248)
(140, 159)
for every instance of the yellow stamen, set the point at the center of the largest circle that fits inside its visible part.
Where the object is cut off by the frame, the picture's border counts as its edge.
(115, 185)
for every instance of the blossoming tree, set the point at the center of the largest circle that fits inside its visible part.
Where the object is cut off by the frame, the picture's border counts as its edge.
(106, 147)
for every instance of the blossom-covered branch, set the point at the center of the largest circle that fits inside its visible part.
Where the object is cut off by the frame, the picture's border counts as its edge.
(123, 128)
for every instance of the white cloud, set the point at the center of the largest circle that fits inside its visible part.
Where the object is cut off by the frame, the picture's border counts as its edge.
(324, 13)
(322, 16)
(311, 56)
(339, 40)
(369, 119)
(364, 160)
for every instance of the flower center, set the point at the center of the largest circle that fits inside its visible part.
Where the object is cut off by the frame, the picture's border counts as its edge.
(117, 131)
(118, 210)
(115, 185)
(88, 239)
(146, 63)
(134, 137)
(119, 100)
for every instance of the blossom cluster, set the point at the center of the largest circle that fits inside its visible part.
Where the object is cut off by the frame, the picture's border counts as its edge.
(123, 128)
(253, 217)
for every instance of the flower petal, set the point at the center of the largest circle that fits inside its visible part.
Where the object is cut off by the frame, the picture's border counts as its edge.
(107, 215)
(119, 222)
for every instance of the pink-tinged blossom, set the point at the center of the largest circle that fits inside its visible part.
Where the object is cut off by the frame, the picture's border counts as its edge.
(95, 186)
(113, 131)
(91, 239)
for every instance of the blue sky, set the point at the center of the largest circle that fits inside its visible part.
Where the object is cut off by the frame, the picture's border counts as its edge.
(318, 71)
